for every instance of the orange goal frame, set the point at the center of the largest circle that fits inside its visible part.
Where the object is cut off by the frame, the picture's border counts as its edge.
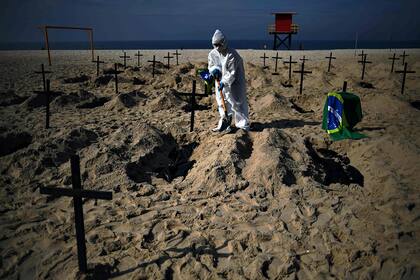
(88, 29)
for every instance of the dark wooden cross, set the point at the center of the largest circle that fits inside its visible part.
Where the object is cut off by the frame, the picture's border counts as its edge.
(303, 59)
(302, 72)
(116, 72)
(364, 62)
(154, 64)
(290, 62)
(362, 54)
(43, 72)
(97, 64)
(138, 54)
(345, 86)
(192, 106)
(125, 56)
(329, 61)
(78, 193)
(264, 57)
(403, 56)
(276, 58)
(168, 57)
(47, 102)
(404, 72)
(176, 53)
(393, 62)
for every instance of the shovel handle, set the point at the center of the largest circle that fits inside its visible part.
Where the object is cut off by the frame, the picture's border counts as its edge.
(223, 99)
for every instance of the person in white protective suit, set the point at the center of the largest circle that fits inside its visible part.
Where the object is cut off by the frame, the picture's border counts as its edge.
(226, 65)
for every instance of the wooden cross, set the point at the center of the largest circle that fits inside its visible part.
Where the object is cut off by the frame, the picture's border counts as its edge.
(116, 72)
(405, 72)
(303, 59)
(78, 193)
(47, 103)
(329, 62)
(176, 54)
(290, 62)
(138, 58)
(192, 106)
(43, 72)
(276, 58)
(168, 57)
(97, 64)
(403, 56)
(264, 57)
(125, 59)
(154, 63)
(345, 86)
(362, 54)
(302, 72)
(364, 62)
(393, 61)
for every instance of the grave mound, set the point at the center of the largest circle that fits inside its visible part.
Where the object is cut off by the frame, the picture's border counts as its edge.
(139, 81)
(39, 99)
(9, 98)
(11, 142)
(77, 79)
(166, 102)
(93, 103)
(102, 80)
(60, 149)
(73, 98)
(127, 100)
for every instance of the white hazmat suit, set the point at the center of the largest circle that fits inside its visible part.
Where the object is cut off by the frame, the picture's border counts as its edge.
(230, 64)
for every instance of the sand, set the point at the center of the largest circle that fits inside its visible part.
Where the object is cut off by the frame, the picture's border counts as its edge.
(281, 201)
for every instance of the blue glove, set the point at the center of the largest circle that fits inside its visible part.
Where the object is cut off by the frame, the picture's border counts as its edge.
(216, 74)
(221, 86)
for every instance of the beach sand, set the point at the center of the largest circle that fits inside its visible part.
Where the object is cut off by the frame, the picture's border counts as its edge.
(282, 201)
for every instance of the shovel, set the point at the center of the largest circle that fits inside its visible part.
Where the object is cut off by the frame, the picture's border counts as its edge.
(226, 119)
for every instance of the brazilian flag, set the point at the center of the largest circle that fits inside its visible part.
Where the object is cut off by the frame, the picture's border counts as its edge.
(208, 80)
(342, 111)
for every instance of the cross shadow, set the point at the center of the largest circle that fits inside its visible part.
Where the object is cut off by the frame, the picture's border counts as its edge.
(257, 126)
(182, 252)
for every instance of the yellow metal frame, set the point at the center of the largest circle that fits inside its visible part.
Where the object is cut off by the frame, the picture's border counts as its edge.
(46, 27)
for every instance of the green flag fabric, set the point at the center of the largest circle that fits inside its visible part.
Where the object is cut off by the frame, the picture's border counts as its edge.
(342, 111)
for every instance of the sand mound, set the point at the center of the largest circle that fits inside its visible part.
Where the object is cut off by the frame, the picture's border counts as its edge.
(9, 98)
(93, 102)
(127, 100)
(103, 80)
(73, 98)
(166, 101)
(13, 141)
(39, 100)
(273, 102)
(59, 150)
(77, 79)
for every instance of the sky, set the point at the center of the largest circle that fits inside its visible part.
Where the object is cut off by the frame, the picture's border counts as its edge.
(133, 20)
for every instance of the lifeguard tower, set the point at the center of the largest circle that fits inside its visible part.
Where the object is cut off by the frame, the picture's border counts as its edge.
(283, 29)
